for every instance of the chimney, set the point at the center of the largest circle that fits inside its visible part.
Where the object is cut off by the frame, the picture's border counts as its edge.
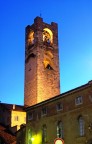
(13, 106)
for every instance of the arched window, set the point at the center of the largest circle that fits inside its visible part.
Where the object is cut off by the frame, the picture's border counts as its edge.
(81, 126)
(30, 39)
(44, 133)
(60, 132)
(47, 35)
(48, 60)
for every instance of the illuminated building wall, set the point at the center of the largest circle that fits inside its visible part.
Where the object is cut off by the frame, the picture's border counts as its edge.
(12, 115)
(18, 118)
(67, 116)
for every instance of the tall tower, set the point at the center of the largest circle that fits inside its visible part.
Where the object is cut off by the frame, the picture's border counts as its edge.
(42, 79)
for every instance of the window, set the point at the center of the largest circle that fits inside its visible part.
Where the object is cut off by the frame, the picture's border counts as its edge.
(44, 133)
(16, 118)
(24, 119)
(48, 60)
(78, 100)
(30, 116)
(44, 111)
(47, 35)
(30, 39)
(81, 125)
(60, 132)
(59, 106)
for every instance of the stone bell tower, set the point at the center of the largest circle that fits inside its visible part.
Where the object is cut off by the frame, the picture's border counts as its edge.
(42, 79)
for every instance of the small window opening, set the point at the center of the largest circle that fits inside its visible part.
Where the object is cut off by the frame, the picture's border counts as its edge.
(49, 67)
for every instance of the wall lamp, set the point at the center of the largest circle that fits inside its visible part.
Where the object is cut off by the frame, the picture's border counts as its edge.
(90, 126)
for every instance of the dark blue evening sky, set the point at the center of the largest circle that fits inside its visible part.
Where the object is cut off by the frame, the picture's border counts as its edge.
(74, 18)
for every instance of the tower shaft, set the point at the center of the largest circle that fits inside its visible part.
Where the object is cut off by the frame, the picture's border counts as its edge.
(42, 80)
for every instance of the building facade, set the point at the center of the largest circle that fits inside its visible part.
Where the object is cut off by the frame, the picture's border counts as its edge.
(67, 116)
(12, 116)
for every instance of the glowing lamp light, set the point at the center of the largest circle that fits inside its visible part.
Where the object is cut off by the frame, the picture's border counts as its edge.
(32, 139)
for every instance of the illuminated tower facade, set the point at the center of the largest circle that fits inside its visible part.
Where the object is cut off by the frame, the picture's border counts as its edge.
(42, 80)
